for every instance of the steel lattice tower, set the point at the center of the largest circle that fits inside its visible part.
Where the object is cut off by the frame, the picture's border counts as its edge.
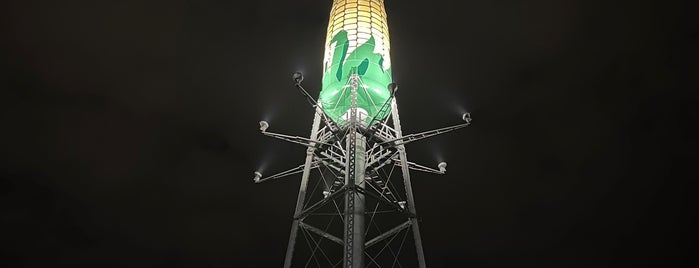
(355, 144)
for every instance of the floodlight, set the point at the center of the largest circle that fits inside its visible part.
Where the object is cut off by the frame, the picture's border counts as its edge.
(298, 77)
(401, 204)
(392, 87)
(442, 167)
(263, 126)
(466, 117)
(258, 176)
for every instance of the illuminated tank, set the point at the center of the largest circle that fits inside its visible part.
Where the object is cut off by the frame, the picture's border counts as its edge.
(357, 43)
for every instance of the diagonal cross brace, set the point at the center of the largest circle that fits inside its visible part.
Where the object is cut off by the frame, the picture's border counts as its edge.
(384, 200)
(321, 203)
(387, 234)
(321, 233)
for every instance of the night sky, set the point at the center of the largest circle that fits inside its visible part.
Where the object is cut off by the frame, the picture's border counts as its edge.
(129, 133)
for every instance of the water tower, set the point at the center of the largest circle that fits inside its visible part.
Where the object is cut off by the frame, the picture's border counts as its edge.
(358, 212)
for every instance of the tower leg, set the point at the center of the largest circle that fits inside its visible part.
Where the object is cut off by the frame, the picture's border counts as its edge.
(302, 191)
(408, 186)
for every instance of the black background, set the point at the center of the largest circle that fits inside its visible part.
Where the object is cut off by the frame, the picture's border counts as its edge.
(129, 130)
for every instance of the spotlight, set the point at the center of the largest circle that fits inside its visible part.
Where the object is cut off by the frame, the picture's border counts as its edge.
(298, 77)
(466, 117)
(326, 194)
(258, 176)
(392, 87)
(401, 204)
(263, 126)
(442, 167)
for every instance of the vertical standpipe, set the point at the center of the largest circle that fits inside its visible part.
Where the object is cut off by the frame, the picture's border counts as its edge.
(354, 178)
(357, 43)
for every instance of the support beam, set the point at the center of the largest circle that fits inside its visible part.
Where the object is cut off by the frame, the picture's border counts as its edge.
(287, 173)
(418, 167)
(387, 234)
(402, 140)
(320, 204)
(383, 199)
(408, 187)
(320, 232)
(302, 189)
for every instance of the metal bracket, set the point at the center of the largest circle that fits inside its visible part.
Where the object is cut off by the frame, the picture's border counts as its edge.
(321, 233)
(418, 167)
(387, 234)
(286, 173)
(423, 135)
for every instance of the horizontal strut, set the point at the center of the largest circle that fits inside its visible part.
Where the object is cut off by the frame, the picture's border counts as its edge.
(321, 233)
(387, 234)
(423, 135)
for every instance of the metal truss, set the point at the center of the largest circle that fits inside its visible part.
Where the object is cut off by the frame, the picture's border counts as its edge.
(359, 159)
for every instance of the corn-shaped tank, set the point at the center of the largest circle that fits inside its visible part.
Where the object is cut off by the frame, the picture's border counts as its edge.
(357, 43)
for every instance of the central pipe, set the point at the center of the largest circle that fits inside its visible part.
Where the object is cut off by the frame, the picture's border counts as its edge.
(354, 178)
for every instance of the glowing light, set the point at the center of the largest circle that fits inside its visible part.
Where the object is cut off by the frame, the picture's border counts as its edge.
(357, 42)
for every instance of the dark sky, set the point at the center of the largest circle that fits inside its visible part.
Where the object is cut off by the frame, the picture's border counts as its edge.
(129, 130)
